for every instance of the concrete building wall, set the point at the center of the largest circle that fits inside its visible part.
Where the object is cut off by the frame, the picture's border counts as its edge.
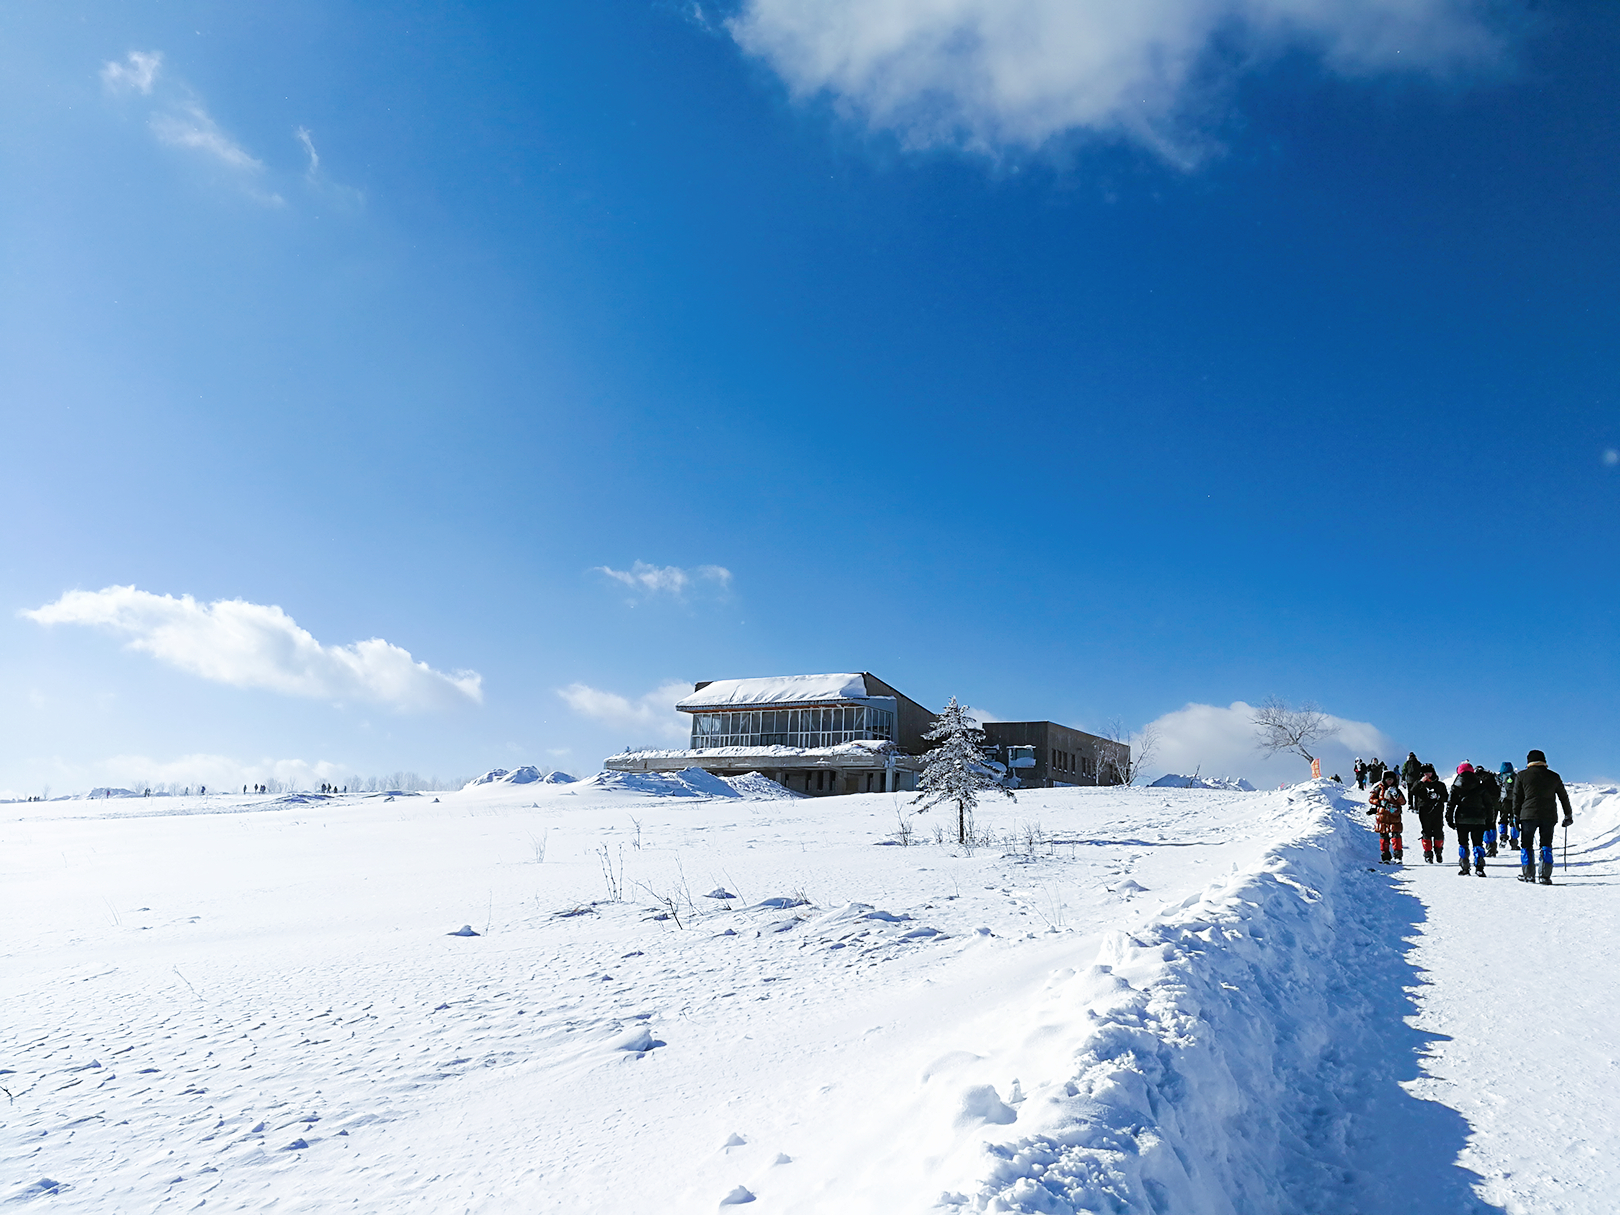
(1063, 756)
(913, 720)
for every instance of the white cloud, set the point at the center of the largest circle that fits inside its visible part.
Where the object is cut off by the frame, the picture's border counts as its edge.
(251, 645)
(672, 579)
(303, 136)
(992, 74)
(137, 73)
(183, 121)
(188, 125)
(1222, 742)
(653, 713)
(1611, 457)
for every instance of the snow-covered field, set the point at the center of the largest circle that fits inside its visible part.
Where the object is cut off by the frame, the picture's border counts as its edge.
(679, 999)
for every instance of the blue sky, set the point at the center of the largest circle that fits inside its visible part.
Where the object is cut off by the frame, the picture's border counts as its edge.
(1080, 368)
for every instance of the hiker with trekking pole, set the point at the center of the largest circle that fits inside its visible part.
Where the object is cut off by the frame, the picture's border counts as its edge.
(1538, 791)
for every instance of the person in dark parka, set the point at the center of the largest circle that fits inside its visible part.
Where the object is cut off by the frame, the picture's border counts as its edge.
(1507, 828)
(1538, 791)
(1468, 812)
(1411, 772)
(1429, 800)
(1492, 789)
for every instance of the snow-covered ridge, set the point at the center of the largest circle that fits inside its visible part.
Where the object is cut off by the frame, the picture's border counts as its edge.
(528, 774)
(1174, 780)
(1233, 1044)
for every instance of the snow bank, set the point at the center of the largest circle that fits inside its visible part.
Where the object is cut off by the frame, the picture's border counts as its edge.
(1229, 1045)
(757, 787)
(690, 782)
(528, 774)
(1173, 780)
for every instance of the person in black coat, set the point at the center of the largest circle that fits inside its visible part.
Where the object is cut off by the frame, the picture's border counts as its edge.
(1492, 789)
(1429, 800)
(1468, 812)
(1538, 791)
(1507, 828)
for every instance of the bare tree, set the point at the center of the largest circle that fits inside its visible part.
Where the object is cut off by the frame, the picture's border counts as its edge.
(1286, 729)
(1122, 758)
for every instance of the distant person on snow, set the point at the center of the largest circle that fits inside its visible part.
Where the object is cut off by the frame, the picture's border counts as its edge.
(1375, 771)
(1361, 773)
(1468, 813)
(1429, 800)
(1537, 793)
(1411, 772)
(1386, 801)
(1492, 790)
(1507, 830)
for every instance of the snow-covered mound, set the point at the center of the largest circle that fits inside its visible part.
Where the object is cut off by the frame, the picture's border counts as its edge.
(757, 787)
(528, 774)
(1173, 780)
(690, 782)
(100, 792)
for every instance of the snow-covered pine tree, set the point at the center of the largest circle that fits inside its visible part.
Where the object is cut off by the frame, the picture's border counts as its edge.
(956, 769)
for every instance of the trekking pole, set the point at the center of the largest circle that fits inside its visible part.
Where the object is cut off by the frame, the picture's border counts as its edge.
(1566, 849)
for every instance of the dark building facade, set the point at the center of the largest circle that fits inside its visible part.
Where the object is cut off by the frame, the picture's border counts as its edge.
(1063, 756)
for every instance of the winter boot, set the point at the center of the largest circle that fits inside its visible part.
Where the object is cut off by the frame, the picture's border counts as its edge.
(1546, 873)
(1526, 873)
(1479, 860)
(1462, 870)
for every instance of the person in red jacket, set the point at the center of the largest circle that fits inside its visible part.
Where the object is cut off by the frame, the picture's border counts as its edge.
(1386, 801)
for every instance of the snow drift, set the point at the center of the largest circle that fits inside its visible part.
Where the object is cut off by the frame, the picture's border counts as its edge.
(528, 774)
(1174, 780)
(1228, 1058)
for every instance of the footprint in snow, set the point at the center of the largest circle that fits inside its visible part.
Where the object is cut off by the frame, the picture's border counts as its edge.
(466, 930)
(737, 1197)
(733, 1140)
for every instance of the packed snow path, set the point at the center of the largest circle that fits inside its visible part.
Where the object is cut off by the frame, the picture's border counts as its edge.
(1133, 1000)
(1522, 996)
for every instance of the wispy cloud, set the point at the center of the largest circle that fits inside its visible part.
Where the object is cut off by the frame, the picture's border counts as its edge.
(182, 120)
(318, 182)
(997, 74)
(188, 125)
(251, 645)
(303, 137)
(136, 74)
(668, 579)
(653, 713)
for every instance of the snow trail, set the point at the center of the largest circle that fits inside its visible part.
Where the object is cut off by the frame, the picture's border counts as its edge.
(1520, 995)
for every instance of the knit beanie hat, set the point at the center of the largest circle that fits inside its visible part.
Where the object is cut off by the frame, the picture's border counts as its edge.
(1461, 768)
(1535, 757)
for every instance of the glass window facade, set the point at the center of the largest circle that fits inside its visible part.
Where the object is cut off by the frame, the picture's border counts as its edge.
(813, 726)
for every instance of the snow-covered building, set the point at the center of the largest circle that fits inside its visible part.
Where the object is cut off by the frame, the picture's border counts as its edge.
(815, 734)
(853, 733)
(1061, 755)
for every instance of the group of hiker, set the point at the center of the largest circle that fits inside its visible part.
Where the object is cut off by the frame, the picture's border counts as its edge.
(1486, 809)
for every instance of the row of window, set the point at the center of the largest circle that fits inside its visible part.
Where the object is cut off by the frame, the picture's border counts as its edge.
(1068, 761)
(822, 727)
